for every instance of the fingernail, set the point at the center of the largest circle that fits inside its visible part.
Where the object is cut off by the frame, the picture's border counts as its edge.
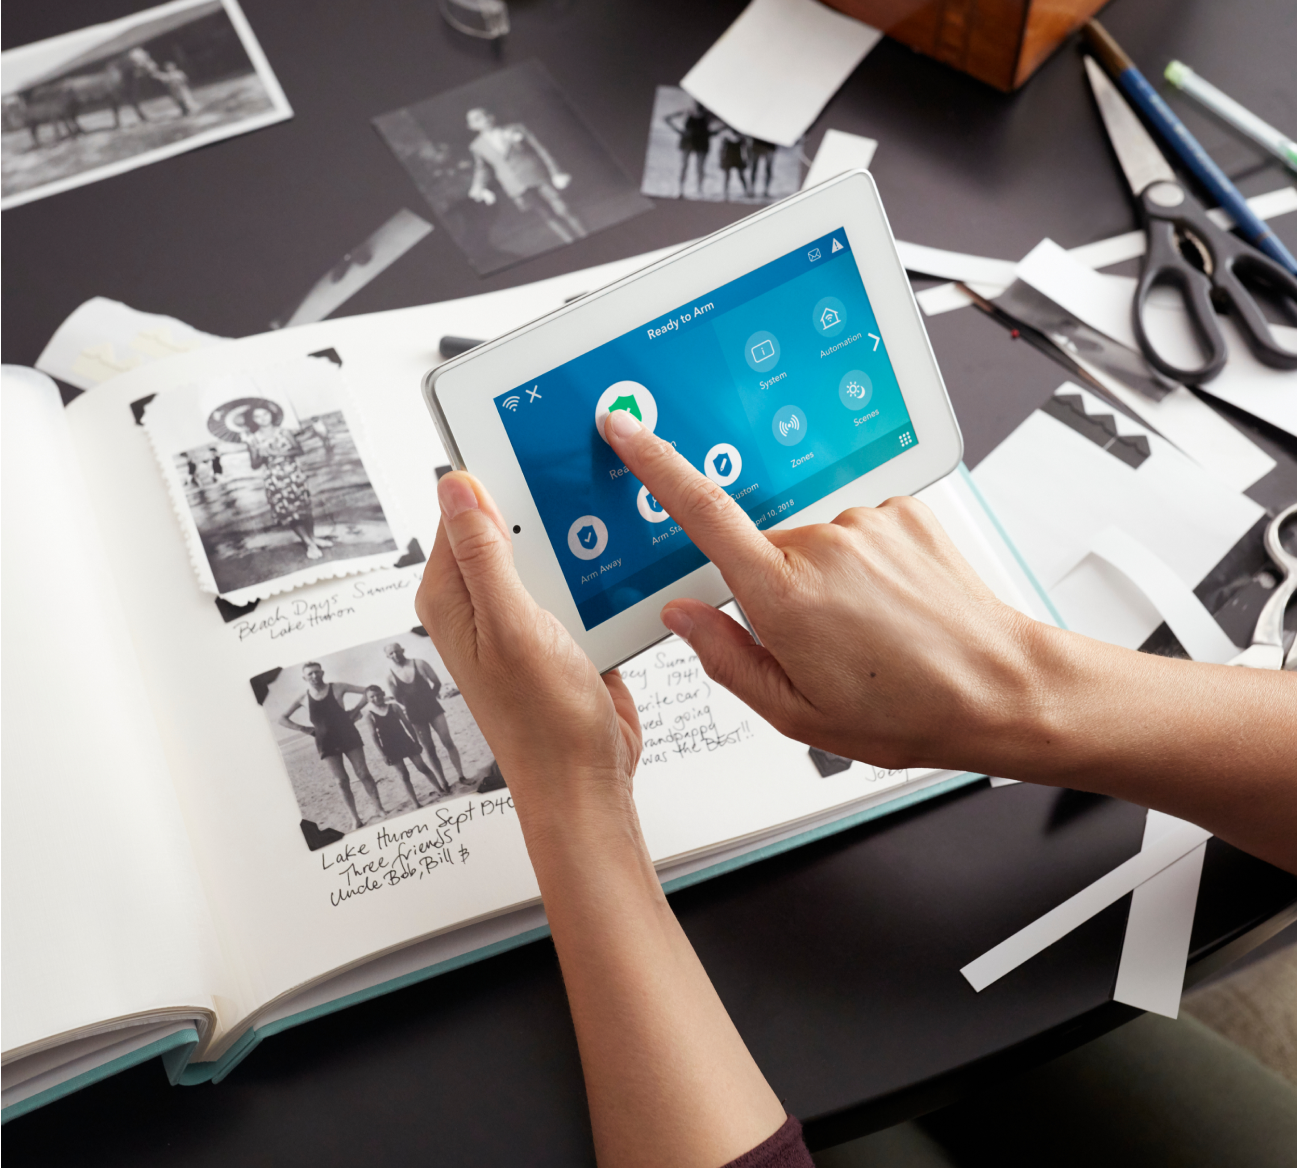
(678, 622)
(455, 496)
(623, 423)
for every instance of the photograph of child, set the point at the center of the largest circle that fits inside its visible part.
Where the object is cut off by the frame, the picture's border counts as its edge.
(371, 732)
(269, 478)
(509, 167)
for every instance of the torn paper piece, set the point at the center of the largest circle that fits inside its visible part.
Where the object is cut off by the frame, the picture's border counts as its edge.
(976, 271)
(1158, 928)
(777, 65)
(103, 338)
(271, 480)
(358, 267)
(839, 152)
(1105, 303)
(1057, 923)
(1186, 616)
(1074, 468)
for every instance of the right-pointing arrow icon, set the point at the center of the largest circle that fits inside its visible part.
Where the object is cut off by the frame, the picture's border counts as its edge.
(876, 340)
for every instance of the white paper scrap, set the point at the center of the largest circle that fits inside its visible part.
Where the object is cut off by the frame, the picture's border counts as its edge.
(1104, 253)
(102, 338)
(777, 65)
(1194, 627)
(953, 265)
(838, 153)
(1104, 303)
(1158, 929)
(1076, 910)
(1055, 490)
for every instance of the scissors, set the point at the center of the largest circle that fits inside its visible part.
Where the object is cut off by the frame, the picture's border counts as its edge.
(1176, 222)
(1266, 650)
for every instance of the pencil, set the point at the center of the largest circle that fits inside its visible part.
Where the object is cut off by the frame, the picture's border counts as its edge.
(1240, 117)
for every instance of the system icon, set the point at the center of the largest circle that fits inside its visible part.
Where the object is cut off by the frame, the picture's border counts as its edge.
(650, 508)
(761, 351)
(788, 426)
(723, 464)
(630, 396)
(511, 403)
(587, 537)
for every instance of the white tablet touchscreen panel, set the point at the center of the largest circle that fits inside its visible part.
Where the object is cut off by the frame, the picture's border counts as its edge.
(800, 399)
(777, 383)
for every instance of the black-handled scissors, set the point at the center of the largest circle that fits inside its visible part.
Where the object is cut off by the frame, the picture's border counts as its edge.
(1173, 220)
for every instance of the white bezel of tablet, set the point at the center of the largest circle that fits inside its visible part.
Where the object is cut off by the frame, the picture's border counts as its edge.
(460, 393)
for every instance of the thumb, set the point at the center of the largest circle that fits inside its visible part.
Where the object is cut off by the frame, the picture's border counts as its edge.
(480, 546)
(731, 656)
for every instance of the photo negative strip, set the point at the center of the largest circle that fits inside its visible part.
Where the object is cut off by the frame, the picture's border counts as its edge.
(372, 732)
(692, 154)
(111, 97)
(509, 167)
(270, 480)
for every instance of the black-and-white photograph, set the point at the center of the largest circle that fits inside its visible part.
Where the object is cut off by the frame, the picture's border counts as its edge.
(509, 167)
(111, 97)
(692, 154)
(371, 732)
(268, 473)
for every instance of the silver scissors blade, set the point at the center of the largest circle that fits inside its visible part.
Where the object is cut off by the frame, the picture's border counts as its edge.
(1141, 160)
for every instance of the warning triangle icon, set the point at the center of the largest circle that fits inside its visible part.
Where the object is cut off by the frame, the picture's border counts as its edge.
(836, 246)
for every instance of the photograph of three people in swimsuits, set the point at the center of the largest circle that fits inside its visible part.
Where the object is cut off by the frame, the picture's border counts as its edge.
(372, 732)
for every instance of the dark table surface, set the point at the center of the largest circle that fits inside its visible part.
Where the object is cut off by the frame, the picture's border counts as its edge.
(839, 962)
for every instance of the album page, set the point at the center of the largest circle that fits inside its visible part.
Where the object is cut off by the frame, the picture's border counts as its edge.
(341, 800)
(106, 927)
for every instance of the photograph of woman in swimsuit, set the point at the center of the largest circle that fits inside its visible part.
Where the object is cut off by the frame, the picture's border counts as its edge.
(292, 494)
(371, 732)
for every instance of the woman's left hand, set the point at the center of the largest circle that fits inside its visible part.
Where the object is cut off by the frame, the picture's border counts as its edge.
(556, 727)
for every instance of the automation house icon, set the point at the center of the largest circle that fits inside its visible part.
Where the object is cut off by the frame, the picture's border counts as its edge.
(828, 318)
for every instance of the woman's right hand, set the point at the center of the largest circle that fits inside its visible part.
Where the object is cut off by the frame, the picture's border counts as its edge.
(877, 640)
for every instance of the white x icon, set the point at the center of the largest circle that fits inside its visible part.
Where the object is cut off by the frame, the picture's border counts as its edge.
(534, 393)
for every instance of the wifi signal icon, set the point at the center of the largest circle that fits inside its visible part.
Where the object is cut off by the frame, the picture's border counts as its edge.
(788, 427)
(511, 402)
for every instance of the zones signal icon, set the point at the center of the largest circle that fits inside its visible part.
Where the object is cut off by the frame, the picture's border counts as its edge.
(511, 402)
(785, 428)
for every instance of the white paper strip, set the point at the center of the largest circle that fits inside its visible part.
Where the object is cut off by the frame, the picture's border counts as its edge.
(775, 67)
(1194, 627)
(954, 265)
(1076, 910)
(1103, 253)
(1158, 929)
(838, 153)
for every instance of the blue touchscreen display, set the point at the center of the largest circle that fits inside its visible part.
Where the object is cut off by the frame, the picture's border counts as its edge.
(775, 385)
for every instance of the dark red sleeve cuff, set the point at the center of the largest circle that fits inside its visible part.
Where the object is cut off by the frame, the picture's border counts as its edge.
(784, 1149)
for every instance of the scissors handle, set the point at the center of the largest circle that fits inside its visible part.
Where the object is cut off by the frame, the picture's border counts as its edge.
(1172, 216)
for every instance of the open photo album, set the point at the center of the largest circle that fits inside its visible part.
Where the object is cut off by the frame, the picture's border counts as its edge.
(242, 790)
